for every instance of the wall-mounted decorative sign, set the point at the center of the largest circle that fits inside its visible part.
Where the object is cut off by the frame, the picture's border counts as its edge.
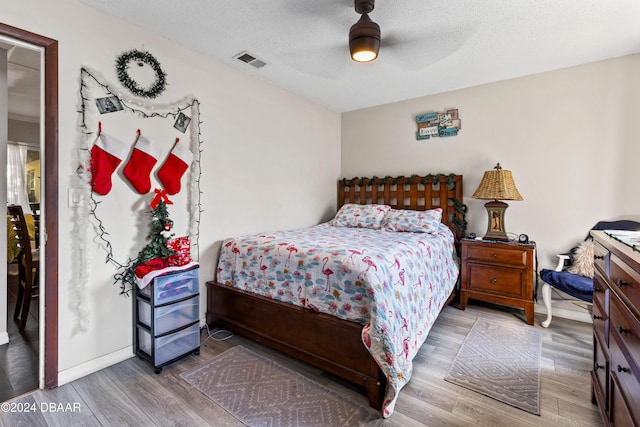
(438, 124)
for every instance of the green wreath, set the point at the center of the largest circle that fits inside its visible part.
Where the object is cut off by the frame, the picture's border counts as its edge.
(122, 65)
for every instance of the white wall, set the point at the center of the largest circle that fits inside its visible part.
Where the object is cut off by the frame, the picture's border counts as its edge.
(270, 160)
(570, 137)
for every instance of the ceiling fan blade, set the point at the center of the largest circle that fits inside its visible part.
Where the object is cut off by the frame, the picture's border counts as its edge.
(417, 52)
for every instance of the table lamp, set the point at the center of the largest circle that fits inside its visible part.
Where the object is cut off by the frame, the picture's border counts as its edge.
(496, 185)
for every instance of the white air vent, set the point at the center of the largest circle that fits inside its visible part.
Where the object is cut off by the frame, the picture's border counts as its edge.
(250, 59)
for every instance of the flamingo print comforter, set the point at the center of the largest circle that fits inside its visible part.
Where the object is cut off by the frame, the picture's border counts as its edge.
(393, 283)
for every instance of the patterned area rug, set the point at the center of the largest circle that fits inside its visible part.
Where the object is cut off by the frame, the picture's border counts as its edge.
(260, 392)
(502, 362)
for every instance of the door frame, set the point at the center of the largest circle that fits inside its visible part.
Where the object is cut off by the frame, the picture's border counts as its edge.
(50, 47)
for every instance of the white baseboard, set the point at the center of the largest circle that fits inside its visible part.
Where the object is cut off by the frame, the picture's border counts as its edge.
(72, 374)
(4, 338)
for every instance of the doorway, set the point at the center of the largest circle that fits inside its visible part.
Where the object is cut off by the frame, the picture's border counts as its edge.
(48, 331)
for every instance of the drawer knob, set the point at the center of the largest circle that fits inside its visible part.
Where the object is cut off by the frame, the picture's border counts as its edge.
(621, 369)
(494, 255)
(596, 366)
(622, 330)
(494, 280)
(622, 283)
(596, 317)
(599, 257)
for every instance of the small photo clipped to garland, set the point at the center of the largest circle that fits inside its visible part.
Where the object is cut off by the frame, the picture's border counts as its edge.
(109, 104)
(147, 62)
(182, 122)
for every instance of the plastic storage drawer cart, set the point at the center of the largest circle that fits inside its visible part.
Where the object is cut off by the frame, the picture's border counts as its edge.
(166, 314)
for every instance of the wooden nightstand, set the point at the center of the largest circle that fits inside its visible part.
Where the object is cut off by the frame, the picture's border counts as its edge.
(498, 272)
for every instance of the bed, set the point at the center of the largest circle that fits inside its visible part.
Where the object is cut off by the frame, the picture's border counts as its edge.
(354, 297)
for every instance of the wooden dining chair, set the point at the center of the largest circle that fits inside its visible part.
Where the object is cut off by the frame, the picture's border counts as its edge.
(35, 209)
(28, 262)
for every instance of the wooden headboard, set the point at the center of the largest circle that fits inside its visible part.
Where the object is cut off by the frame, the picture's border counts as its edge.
(414, 192)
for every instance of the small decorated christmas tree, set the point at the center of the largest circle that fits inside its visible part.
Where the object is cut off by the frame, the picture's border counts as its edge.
(156, 250)
(159, 235)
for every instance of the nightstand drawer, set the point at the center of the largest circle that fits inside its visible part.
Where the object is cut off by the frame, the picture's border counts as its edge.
(496, 280)
(512, 255)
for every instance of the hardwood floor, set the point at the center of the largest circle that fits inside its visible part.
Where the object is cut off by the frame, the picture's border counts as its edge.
(19, 358)
(129, 393)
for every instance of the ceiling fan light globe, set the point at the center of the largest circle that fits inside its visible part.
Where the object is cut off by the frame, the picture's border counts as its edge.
(364, 56)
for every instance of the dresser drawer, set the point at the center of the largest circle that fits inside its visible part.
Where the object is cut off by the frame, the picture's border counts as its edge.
(600, 322)
(172, 287)
(169, 317)
(512, 255)
(625, 385)
(626, 280)
(602, 256)
(170, 347)
(627, 330)
(601, 292)
(620, 411)
(600, 365)
(495, 280)
(617, 299)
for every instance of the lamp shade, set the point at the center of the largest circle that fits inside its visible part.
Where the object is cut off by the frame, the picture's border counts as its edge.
(497, 184)
(364, 40)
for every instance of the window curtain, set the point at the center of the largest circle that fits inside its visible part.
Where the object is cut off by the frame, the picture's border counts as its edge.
(16, 180)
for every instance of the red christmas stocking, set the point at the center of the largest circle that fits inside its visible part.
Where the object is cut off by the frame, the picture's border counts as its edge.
(138, 168)
(106, 154)
(174, 167)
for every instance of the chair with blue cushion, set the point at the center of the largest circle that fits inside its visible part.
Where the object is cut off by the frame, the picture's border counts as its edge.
(580, 287)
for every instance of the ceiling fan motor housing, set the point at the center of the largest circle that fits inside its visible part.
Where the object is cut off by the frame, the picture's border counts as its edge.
(363, 6)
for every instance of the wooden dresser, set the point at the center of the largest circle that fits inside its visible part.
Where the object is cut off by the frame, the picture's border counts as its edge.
(498, 272)
(616, 332)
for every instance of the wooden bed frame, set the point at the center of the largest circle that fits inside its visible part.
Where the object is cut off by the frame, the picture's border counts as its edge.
(326, 342)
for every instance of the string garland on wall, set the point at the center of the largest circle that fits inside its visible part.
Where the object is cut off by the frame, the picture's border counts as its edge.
(89, 211)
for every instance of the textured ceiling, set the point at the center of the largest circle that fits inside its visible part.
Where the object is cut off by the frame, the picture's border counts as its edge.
(428, 46)
(23, 80)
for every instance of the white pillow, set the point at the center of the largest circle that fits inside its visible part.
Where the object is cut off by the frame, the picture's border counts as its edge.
(412, 221)
(363, 216)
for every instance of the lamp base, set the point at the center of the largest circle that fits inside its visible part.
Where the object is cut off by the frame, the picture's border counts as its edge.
(495, 228)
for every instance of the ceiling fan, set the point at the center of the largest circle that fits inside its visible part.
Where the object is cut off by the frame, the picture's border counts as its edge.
(409, 43)
(364, 35)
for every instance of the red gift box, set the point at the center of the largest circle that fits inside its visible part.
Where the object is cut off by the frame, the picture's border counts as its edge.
(182, 248)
